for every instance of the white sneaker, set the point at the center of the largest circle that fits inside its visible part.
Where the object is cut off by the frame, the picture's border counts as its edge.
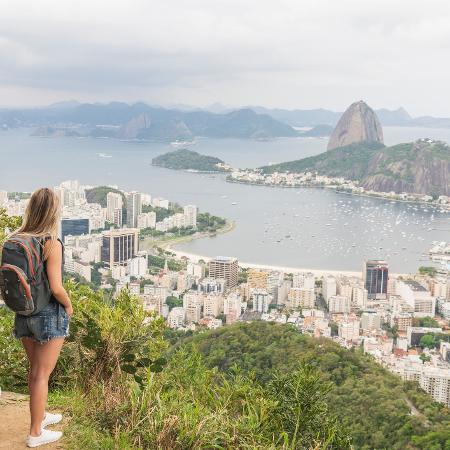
(45, 437)
(51, 419)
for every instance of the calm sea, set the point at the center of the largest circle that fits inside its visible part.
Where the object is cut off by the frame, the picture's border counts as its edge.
(312, 228)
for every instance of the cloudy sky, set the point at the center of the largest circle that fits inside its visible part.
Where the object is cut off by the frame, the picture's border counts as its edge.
(275, 53)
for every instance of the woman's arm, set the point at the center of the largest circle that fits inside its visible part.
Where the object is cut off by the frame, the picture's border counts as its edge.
(54, 263)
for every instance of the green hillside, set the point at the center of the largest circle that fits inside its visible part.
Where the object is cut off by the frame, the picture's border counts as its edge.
(98, 195)
(368, 400)
(187, 160)
(350, 161)
(420, 167)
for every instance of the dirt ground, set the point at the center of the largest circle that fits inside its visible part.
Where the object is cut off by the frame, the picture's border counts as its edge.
(15, 422)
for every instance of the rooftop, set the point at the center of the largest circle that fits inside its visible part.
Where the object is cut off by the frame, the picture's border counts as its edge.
(415, 286)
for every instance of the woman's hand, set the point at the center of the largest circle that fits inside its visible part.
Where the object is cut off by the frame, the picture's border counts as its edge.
(69, 310)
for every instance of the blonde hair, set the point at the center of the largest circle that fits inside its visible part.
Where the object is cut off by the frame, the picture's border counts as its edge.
(41, 218)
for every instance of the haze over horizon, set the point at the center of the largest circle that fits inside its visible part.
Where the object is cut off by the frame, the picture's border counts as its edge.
(317, 54)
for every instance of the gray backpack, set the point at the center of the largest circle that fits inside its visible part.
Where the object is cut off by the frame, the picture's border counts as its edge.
(24, 285)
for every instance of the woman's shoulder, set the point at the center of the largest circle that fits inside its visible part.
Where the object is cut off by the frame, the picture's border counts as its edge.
(50, 245)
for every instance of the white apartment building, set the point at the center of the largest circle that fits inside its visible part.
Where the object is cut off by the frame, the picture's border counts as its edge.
(261, 300)
(434, 380)
(159, 202)
(329, 287)
(370, 320)
(134, 208)
(146, 220)
(138, 266)
(274, 281)
(3, 197)
(196, 270)
(114, 202)
(303, 280)
(190, 216)
(301, 297)
(157, 291)
(212, 305)
(416, 296)
(192, 304)
(146, 199)
(176, 317)
(78, 267)
(359, 297)
(338, 304)
(232, 307)
(349, 330)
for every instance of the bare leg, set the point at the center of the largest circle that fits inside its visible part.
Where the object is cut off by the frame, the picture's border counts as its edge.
(28, 345)
(44, 361)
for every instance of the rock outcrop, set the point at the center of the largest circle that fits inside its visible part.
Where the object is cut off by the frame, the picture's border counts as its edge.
(132, 128)
(420, 167)
(359, 123)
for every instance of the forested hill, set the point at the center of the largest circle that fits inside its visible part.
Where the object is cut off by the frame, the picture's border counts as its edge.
(368, 400)
(184, 159)
(421, 167)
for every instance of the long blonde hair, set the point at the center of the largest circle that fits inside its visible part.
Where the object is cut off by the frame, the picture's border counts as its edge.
(41, 218)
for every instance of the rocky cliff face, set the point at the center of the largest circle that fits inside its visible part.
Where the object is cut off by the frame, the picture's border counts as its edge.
(359, 123)
(421, 167)
(132, 128)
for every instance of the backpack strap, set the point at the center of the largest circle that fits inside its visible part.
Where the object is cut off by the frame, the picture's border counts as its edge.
(34, 259)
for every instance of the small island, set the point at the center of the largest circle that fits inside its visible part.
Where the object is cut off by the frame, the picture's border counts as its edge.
(184, 159)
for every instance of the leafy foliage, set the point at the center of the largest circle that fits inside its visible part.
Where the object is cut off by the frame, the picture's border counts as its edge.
(184, 159)
(98, 195)
(371, 402)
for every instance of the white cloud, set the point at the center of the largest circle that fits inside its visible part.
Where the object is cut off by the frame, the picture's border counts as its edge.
(286, 53)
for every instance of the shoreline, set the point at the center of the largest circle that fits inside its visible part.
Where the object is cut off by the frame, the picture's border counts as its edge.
(442, 207)
(167, 244)
(179, 254)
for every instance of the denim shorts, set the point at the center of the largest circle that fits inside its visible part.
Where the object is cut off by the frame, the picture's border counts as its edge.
(51, 322)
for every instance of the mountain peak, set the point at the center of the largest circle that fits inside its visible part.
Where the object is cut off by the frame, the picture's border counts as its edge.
(359, 123)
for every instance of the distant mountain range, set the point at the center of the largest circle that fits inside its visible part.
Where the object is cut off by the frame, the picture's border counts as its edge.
(143, 122)
(313, 117)
(420, 167)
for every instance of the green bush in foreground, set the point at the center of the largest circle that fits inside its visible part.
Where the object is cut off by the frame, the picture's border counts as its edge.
(113, 379)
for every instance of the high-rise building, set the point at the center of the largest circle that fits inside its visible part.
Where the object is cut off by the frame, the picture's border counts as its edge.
(417, 297)
(370, 320)
(303, 280)
(192, 304)
(375, 275)
(119, 246)
(114, 202)
(74, 227)
(261, 300)
(3, 197)
(190, 216)
(226, 268)
(118, 217)
(134, 208)
(301, 297)
(329, 287)
(338, 304)
(176, 317)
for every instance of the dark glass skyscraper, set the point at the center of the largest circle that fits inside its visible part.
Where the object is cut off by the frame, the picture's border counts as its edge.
(119, 246)
(375, 276)
(74, 227)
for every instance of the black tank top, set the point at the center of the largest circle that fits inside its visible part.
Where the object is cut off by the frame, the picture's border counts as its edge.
(52, 298)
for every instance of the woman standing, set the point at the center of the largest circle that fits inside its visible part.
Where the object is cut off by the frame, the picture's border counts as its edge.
(43, 334)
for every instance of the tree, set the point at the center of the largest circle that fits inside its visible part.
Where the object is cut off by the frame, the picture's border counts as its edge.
(427, 341)
(172, 302)
(8, 224)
